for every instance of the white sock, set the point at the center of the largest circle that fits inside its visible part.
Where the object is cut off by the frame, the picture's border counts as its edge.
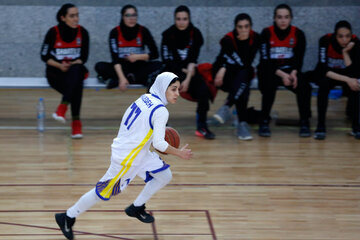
(159, 181)
(83, 204)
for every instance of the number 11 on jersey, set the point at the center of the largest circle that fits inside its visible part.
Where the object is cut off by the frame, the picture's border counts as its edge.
(134, 109)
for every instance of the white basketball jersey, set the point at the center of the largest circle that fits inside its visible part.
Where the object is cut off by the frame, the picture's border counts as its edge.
(135, 133)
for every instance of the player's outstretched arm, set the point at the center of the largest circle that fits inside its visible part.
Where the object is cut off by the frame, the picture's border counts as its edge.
(184, 152)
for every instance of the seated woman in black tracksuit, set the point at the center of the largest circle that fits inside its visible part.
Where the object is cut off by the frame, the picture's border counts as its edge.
(282, 53)
(180, 48)
(131, 63)
(338, 65)
(65, 51)
(233, 71)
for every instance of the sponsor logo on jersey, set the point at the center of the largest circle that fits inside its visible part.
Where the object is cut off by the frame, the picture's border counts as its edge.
(126, 51)
(183, 53)
(336, 63)
(66, 53)
(281, 53)
(292, 41)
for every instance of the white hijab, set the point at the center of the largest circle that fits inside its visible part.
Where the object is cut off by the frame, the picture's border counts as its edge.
(161, 84)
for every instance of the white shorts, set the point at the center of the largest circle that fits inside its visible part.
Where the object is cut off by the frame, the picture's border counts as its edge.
(119, 176)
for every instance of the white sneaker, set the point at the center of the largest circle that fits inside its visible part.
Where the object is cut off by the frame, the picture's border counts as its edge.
(243, 131)
(58, 118)
(223, 114)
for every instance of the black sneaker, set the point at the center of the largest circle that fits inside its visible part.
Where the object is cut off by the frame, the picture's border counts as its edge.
(112, 83)
(356, 134)
(320, 133)
(205, 133)
(65, 223)
(264, 129)
(139, 213)
(304, 129)
(100, 79)
(131, 78)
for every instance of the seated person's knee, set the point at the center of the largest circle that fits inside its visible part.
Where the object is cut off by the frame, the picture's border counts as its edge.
(75, 68)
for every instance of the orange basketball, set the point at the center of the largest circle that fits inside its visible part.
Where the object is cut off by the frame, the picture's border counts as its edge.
(172, 137)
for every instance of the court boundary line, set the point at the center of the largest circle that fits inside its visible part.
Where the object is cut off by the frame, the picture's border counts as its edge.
(110, 235)
(57, 229)
(198, 185)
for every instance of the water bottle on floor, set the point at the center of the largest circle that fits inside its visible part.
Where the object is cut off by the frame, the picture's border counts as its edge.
(41, 115)
(235, 120)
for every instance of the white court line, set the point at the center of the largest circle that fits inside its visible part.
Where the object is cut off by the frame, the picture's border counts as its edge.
(51, 128)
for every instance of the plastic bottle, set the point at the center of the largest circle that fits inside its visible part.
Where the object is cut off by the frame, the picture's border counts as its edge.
(234, 118)
(41, 115)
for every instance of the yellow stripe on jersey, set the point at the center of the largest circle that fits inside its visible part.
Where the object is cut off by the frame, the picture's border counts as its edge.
(126, 163)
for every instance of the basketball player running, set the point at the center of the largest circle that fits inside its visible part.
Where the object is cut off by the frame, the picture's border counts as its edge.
(143, 124)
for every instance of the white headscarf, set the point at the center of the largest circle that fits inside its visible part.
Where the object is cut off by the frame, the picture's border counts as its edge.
(161, 84)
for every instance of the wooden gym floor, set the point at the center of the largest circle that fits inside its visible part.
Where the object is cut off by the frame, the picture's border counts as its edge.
(283, 187)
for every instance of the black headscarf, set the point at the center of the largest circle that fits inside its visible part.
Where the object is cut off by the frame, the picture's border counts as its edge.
(67, 33)
(334, 42)
(182, 37)
(129, 33)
